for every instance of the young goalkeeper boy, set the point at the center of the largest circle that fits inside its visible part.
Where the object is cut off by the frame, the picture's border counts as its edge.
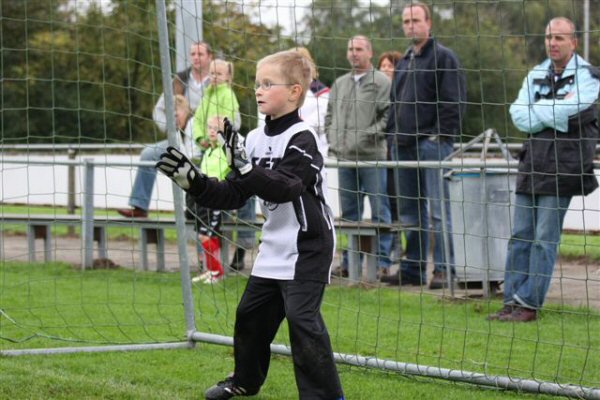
(281, 164)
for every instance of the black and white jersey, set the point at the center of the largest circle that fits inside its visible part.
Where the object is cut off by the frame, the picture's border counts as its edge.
(298, 237)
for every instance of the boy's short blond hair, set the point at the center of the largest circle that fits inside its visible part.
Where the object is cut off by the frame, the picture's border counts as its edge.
(294, 67)
(306, 53)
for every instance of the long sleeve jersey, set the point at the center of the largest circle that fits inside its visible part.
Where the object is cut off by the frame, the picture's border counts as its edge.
(298, 237)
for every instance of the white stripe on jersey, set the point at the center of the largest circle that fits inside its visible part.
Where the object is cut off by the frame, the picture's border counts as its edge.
(279, 248)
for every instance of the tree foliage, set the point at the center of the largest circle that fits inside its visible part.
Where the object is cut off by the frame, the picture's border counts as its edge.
(497, 42)
(89, 77)
(93, 74)
(235, 37)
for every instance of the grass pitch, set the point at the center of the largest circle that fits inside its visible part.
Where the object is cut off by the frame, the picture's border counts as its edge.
(53, 305)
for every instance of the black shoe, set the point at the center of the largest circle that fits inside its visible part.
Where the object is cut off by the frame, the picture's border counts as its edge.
(381, 272)
(238, 259)
(439, 280)
(340, 272)
(226, 389)
(394, 280)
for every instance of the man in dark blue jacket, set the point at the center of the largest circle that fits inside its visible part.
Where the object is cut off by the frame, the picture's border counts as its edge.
(427, 105)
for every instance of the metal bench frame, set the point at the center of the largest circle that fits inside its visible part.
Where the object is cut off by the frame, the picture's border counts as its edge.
(152, 231)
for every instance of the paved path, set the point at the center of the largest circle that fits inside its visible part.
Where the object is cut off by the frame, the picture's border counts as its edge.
(574, 283)
(124, 253)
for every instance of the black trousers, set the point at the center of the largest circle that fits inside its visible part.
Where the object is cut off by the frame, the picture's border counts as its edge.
(263, 306)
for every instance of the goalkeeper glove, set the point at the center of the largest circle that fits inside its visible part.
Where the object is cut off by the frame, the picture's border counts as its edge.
(233, 144)
(180, 169)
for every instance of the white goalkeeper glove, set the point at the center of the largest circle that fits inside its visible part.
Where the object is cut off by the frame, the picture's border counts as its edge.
(180, 169)
(233, 144)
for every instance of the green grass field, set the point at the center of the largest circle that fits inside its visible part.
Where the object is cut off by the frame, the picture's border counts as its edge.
(52, 305)
(185, 374)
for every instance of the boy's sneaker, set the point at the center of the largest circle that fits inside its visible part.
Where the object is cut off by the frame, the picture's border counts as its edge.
(213, 277)
(225, 390)
(202, 277)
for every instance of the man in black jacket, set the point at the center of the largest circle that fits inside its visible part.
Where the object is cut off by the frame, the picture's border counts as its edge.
(556, 107)
(427, 105)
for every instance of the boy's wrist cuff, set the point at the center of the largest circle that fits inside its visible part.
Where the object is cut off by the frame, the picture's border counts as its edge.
(245, 169)
(198, 185)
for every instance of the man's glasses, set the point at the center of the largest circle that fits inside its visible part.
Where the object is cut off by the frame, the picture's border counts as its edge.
(267, 85)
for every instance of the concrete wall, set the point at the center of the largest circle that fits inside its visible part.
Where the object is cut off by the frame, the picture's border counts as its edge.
(32, 184)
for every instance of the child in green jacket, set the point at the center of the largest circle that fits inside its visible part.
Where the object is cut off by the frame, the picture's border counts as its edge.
(218, 99)
(208, 221)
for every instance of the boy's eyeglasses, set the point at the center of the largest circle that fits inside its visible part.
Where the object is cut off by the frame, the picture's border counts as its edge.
(266, 85)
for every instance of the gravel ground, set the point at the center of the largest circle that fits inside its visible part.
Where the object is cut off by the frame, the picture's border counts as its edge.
(575, 282)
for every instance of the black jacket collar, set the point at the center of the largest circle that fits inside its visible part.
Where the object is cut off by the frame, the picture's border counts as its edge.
(425, 49)
(274, 127)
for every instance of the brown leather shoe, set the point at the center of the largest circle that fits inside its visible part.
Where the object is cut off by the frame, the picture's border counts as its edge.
(506, 310)
(439, 280)
(134, 212)
(520, 314)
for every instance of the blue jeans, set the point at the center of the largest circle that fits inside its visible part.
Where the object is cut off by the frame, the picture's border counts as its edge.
(533, 247)
(355, 184)
(420, 198)
(141, 193)
(247, 213)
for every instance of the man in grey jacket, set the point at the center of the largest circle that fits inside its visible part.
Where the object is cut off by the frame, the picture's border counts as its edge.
(355, 123)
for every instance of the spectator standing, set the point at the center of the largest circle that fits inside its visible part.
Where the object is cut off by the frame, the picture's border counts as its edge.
(189, 83)
(386, 64)
(219, 99)
(427, 105)
(208, 220)
(355, 123)
(315, 104)
(314, 109)
(184, 121)
(146, 176)
(281, 163)
(556, 107)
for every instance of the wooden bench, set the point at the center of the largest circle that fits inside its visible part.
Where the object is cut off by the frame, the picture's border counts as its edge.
(152, 231)
(362, 239)
(362, 236)
(39, 226)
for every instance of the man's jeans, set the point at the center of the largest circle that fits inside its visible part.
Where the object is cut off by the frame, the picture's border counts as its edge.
(141, 193)
(354, 184)
(533, 247)
(245, 214)
(420, 199)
